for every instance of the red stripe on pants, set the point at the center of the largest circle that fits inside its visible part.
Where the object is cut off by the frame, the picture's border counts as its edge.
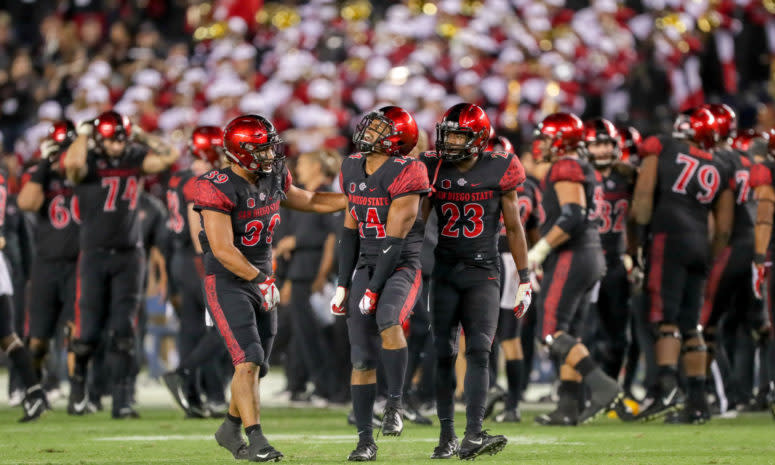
(552, 300)
(236, 352)
(713, 281)
(77, 309)
(409, 303)
(656, 263)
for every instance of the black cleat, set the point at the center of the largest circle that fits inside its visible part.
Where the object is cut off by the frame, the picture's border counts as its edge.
(266, 454)
(197, 411)
(229, 436)
(34, 405)
(557, 418)
(364, 452)
(216, 409)
(174, 384)
(509, 416)
(414, 415)
(687, 416)
(77, 402)
(124, 412)
(375, 421)
(475, 445)
(771, 399)
(660, 406)
(597, 408)
(392, 424)
(446, 449)
(494, 395)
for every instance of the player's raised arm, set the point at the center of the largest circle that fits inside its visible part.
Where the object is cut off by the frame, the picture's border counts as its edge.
(74, 161)
(316, 202)
(161, 154)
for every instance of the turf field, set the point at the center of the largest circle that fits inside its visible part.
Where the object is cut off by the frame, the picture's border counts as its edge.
(322, 436)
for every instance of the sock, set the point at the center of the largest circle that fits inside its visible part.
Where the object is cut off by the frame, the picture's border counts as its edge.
(233, 419)
(695, 391)
(250, 429)
(667, 377)
(585, 366)
(394, 362)
(256, 436)
(569, 393)
(445, 395)
(493, 367)
(363, 404)
(514, 373)
(23, 364)
(477, 381)
(119, 364)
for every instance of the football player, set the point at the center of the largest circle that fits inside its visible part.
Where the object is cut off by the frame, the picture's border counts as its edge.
(572, 259)
(679, 184)
(381, 243)
(239, 210)
(106, 168)
(471, 189)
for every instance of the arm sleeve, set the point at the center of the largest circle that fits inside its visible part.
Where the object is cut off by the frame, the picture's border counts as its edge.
(348, 255)
(387, 261)
(210, 197)
(38, 173)
(652, 146)
(514, 175)
(287, 180)
(413, 179)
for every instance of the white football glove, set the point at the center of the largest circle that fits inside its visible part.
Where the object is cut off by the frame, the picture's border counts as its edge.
(85, 128)
(524, 297)
(368, 303)
(48, 149)
(339, 302)
(271, 294)
(538, 253)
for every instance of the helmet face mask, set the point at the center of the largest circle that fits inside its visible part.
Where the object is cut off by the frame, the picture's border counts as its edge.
(390, 130)
(602, 153)
(265, 156)
(373, 128)
(111, 133)
(601, 140)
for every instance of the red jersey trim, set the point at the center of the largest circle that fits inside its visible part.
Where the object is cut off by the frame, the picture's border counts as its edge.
(513, 177)
(412, 179)
(567, 169)
(650, 147)
(760, 176)
(208, 196)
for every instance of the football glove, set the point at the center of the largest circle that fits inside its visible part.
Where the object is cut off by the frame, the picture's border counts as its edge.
(85, 128)
(48, 149)
(270, 293)
(758, 276)
(524, 297)
(634, 272)
(339, 302)
(538, 253)
(368, 303)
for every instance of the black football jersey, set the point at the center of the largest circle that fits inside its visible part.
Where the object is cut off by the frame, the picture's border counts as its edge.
(369, 198)
(254, 210)
(468, 204)
(3, 200)
(689, 180)
(181, 190)
(613, 209)
(573, 170)
(745, 206)
(59, 218)
(531, 210)
(762, 174)
(108, 198)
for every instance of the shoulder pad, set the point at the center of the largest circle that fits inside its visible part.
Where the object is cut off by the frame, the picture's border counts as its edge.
(761, 175)
(566, 169)
(652, 146)
(514, 174)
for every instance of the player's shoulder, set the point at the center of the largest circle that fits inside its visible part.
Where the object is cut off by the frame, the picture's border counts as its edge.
(430, 157)
(568, 169)
(654, 145)
(762, 174)
(215, 190)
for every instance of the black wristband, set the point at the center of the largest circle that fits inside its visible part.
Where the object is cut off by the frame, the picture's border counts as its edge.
(41, 173)
(348, 256)
(759, 258)
(389, 256)
(524, 275)
(260, 278)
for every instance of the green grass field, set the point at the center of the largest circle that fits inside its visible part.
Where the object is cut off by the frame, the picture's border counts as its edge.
(322, 436)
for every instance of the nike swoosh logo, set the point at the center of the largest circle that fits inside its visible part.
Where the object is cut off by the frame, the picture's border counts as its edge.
(262, 456)
(35, 406)
(476, 184)
(372, 189)
(386, 250)
(81, 405)
(476, 443)
(667, 399)
(492, 278)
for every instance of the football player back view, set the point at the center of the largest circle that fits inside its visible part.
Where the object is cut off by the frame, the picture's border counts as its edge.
(381, 242)
(471, 189)
(680, 183)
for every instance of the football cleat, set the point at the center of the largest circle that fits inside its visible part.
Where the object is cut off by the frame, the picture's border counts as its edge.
(474, 445)
(216, 409)
(365, 451)
(494, 395)
(229, 436)
(509, 416)
(557, 418)
(414, 415)
(124, 412)
(597, 408)
(266, 454)
(660, 406)
(392, 424)
(174, 384)
(687, 416)
(77, 402)
(15, 398)
(771, 402)
(35, 404)
(447, 448)
(375, 421)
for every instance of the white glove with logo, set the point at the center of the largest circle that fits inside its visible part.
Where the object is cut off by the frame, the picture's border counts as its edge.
(85, 128)
(271, 294)
(523, 300)
(339, 302)
(538, 253)
(48, 148)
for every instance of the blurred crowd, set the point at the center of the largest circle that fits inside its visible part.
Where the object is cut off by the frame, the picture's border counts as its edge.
(313, 66)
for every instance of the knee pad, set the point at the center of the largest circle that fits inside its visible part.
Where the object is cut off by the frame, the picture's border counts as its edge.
(81, 348)
(660, 331)
(254, 353)
(693, 333)
(478, 358)
(560, 347)
(709, 336)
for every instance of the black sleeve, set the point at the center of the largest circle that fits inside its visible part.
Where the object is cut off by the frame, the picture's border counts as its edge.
(389, 256)
(348, 255)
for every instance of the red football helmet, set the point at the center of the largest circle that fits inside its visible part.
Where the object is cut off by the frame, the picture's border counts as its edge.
(698, 125)
(629, 140)
(472, 123)
(565, 132)
(744, 138)
(500, 144)
(111, 125)
(600, 131)
(396, 131)
(725, 118)
(248, 139)
(62, 132)
(207, 144)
